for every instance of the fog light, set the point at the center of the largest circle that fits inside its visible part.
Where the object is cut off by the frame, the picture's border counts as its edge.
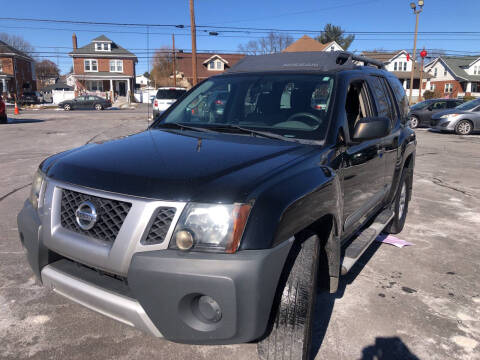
(445, 124)
(209, 309)
(184, 240)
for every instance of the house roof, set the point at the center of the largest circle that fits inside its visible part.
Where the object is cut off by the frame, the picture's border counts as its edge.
(184, 63)
(6, 49)
(406, 74)
(306, 44)
(384, 56)
(458, 65)
(89, 49)
(102, 38)
(59, 85)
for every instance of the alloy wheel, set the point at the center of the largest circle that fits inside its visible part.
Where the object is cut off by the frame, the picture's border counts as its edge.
(464, 128)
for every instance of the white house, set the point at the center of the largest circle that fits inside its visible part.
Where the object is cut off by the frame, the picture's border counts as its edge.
(455, 76)
(141, 81)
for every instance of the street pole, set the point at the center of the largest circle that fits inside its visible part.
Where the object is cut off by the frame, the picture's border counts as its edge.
(421, 84)
(417, 13)
(194, 43)
(174, 70)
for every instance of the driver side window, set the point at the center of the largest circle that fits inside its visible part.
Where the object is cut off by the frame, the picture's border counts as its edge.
(357, 104)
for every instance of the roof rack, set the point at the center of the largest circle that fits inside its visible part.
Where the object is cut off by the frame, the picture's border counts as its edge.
(318, 61)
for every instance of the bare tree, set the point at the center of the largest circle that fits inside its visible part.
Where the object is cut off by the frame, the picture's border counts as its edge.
(162, 66)
(18, 43)
(272, 43)
(45, 71)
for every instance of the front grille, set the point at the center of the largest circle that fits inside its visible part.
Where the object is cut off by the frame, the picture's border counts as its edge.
(160, 226)
(111, 215)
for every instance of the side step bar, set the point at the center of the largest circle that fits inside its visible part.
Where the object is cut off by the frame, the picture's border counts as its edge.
(364, 239)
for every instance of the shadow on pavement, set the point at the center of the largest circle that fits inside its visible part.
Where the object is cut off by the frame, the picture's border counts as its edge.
(388, 348)
(22, 121)
(325, 300)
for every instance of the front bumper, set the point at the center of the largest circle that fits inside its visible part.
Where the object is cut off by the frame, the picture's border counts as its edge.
(443, 124)
(164, 287)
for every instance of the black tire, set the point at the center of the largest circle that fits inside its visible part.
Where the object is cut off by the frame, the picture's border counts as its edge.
(67, 107)
(290, 333)
(414, 122)
(464, 127)
(3, 119)
(398, 222)
(98, 107)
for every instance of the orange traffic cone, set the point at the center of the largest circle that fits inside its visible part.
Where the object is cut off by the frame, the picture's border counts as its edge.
(16, 112)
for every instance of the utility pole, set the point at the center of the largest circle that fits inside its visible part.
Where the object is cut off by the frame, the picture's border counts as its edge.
(194, 42)
(417, 13)
(174, 70)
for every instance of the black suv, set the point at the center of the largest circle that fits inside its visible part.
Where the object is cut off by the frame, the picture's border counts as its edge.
(216, 229)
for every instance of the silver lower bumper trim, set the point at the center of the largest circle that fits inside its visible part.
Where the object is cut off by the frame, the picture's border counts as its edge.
(108, 303)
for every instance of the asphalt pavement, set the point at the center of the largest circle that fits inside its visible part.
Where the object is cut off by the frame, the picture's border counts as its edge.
(418, 302)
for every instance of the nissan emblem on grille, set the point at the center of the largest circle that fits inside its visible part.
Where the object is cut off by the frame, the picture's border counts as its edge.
(86, 215)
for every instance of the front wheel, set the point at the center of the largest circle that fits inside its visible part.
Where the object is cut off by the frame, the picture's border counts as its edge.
(400, 206)
(291, 335)
(464, 127)
(414, 122)
(67, 107)
(98, 107)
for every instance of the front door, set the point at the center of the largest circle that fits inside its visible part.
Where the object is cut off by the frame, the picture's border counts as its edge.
(121, 89)
(363, 165)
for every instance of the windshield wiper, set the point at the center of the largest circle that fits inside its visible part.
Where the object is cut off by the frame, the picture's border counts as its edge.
(254, 132)
(181, 127)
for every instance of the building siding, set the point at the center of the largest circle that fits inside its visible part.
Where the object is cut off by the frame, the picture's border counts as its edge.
(103, 66)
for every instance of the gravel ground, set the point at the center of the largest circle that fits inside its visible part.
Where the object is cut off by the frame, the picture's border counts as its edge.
(421, 301)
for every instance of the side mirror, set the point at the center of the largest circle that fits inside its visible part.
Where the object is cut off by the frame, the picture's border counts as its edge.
(430, 108)
(371, 128)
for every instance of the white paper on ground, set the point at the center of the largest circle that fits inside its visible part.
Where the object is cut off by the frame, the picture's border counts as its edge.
(392, 240)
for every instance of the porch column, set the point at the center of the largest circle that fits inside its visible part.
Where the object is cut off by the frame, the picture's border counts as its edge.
(128, 91)
(111, 91)
(469, 87)
(4, 85)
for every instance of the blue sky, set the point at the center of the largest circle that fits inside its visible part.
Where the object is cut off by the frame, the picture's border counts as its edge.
(352, 15)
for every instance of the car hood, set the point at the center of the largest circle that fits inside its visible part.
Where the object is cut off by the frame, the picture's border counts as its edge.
(439, 114)
(177, 165)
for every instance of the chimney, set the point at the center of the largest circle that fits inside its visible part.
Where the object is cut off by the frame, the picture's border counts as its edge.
(74, 41)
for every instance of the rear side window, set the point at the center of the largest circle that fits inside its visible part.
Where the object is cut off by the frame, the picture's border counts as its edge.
(170, 94)
(400, 97)
(382, 99)
(452, 104)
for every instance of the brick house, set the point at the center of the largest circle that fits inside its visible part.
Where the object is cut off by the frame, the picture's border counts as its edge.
(208, 64)
(103, 67)
(306, 43)
(397, 63)
(17, 71)
(455, 76)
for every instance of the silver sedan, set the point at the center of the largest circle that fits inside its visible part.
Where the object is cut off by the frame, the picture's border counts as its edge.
(463, 120)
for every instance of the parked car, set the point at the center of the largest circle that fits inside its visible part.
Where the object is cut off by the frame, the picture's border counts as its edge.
(3, 111)
(463, 120)
(29, 98)
(420, 114)
(211, 232)
(85, 102)
(165, 97)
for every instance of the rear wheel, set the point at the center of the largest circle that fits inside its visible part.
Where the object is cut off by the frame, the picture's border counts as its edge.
(67, 107)
(3, 119)
(400, 206)
(98, 107)
(464, 127)
(414, 122)
(291, 334)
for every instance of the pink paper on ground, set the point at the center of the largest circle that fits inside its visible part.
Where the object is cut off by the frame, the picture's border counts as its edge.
(392, 240)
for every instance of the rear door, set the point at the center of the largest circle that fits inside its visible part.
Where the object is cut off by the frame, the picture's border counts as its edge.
(79, 102)
(363, 166)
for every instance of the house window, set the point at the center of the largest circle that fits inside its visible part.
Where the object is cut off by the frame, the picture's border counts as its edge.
(91, 65)
(215, 65)
(116, 65)
(476, 70)
(445, 72)
(432, 87)
(404, 66)
(448, 88)
(94, 85)
(435, 72)
(395, 66)
(103, 46)
(475, 87)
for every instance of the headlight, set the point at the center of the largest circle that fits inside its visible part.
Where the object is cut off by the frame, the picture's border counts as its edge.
(448, 115)
(36, 190)
(210, 227)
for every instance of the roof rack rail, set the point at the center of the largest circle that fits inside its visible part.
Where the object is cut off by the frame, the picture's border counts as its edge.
(366, 61)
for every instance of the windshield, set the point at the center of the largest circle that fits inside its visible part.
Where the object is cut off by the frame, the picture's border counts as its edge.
(421, 105)
(292, 106)
(169, 93)
(469, 105)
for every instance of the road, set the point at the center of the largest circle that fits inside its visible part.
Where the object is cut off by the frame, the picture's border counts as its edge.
(421, 301)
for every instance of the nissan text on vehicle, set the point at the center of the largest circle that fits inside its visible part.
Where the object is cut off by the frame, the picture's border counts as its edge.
(217, 229)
